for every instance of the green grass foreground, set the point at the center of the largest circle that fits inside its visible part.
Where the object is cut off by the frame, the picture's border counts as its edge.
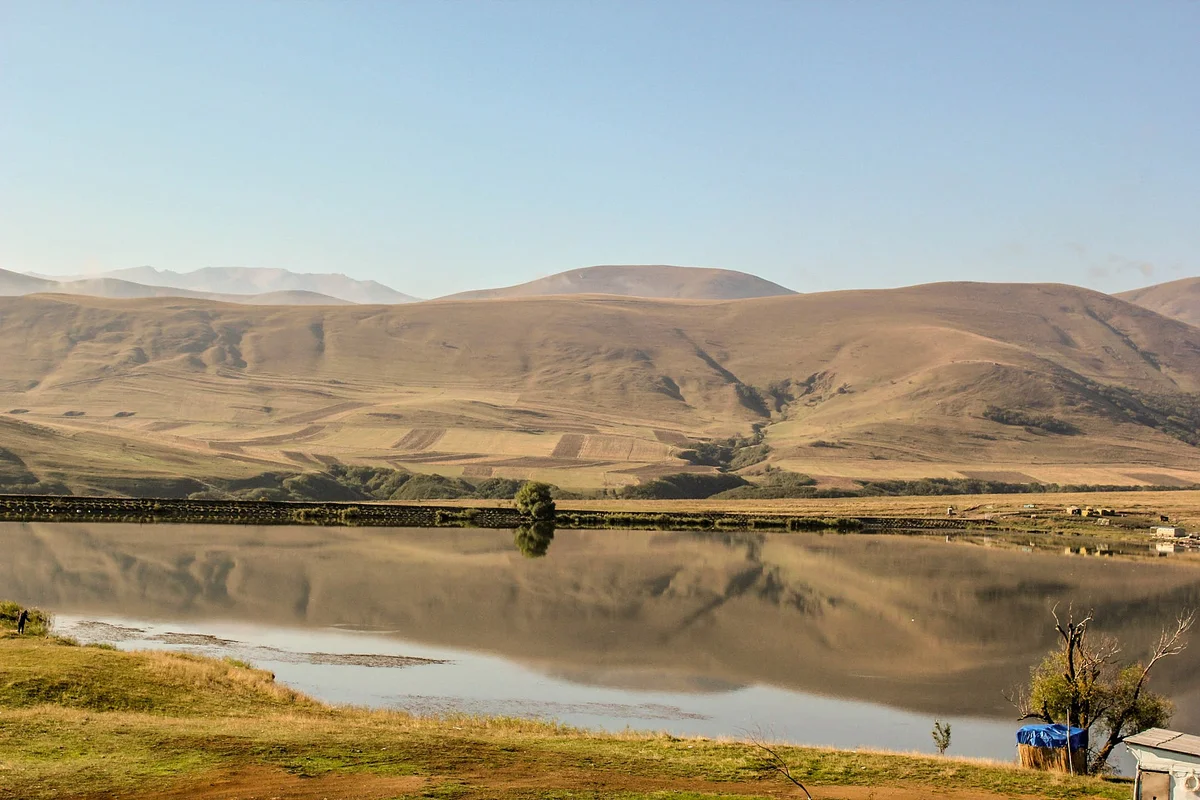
(97, 722)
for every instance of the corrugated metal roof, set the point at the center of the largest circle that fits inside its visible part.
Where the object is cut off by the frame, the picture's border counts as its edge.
(1170, 741)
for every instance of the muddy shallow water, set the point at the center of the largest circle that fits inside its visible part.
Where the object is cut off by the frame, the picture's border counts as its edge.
(843, 640)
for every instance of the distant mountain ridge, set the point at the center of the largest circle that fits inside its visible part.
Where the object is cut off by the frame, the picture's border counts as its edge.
(251, 281)
(259, 280)
(14, 284)
(654, 281)
(1177, 299)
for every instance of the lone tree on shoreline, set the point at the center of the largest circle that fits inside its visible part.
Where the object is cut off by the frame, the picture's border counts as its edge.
(534, 500)
(1084, 683)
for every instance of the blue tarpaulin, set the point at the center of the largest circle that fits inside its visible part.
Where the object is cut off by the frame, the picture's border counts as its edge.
(1052, 736)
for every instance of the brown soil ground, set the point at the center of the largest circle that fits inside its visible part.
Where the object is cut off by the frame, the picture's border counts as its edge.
(264, 783)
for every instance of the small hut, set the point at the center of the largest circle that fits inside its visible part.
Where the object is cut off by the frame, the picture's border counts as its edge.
(1046, 747)
(1168, 765)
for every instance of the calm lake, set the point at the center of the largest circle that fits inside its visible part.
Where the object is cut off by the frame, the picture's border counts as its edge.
(819, 639)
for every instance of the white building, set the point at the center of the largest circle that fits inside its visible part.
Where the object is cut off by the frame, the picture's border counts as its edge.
(1168, 765)
(1169, 532)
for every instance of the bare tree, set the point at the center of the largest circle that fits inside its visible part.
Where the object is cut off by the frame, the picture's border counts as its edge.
(776, 762)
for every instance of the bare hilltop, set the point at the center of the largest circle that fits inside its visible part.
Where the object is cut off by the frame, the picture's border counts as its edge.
(1177, 299)
(634, 280)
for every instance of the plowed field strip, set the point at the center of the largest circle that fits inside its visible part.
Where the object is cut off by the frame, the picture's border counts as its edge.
(278, 438)
(548, 462)
(321, 413)
(673, 438)
(569, 445)
(419, 439)
(434, 457)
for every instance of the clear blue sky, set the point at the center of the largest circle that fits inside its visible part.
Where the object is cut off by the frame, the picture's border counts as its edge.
(441, 146)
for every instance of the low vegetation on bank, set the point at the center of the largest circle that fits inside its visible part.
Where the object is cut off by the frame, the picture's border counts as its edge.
(95, 721)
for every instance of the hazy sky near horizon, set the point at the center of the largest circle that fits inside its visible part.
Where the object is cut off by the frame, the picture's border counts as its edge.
(444, 146)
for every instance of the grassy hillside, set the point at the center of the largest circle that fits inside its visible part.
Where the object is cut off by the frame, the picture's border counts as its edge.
(998, 382)
(84, 721)
(1177, 299)
(631, 280)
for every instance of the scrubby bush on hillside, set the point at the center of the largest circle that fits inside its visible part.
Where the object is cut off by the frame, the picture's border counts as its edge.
(733, 453)
(433, 487)
(497, 489)
(1024, 419)
(683, 486)
(774, 485)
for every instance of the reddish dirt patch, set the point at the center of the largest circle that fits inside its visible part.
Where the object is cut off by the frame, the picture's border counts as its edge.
(569, 445)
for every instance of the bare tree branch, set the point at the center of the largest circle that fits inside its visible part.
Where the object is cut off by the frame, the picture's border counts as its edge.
(777, 763)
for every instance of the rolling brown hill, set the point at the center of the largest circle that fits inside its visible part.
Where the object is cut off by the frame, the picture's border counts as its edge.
(633, 280)
(1178, 299)
(604, 391)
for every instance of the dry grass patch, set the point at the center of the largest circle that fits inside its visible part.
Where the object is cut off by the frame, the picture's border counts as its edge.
(107, 723)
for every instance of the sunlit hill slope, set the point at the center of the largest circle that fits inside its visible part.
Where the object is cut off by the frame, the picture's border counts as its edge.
(1178, 299)
(592, 391)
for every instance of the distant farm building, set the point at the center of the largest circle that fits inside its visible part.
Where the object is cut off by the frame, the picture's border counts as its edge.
(1168, 765)
(1169, 532)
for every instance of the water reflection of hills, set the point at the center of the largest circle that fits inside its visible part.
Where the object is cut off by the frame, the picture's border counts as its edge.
(921, 624)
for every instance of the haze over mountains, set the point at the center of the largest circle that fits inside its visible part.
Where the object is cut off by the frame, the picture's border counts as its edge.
(14, 284)
(1010, 382)
(260, 286)
(253, 286)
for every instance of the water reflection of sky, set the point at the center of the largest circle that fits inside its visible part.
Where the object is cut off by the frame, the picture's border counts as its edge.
(486, 684)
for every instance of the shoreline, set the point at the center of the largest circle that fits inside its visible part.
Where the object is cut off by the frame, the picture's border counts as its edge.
(101, 722)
